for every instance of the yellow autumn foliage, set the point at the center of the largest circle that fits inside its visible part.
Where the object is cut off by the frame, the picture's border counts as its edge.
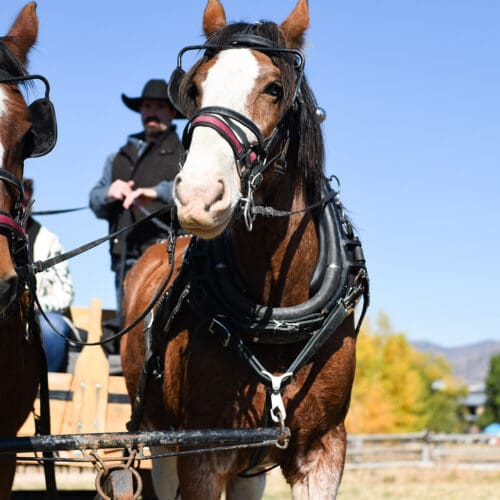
(393, 385)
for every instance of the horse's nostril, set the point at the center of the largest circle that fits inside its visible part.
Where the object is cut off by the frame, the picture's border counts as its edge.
(217, 195)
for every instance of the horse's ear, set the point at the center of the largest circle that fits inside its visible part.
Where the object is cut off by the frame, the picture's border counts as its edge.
(296, 24)
(214, 17)
(23, 33)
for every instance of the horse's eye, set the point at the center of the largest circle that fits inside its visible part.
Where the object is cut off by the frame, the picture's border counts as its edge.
(274, 89)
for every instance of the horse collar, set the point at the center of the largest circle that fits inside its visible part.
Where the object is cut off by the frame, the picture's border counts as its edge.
(216, 286)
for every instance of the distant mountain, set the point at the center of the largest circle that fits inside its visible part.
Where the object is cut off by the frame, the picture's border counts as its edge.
(469, 362)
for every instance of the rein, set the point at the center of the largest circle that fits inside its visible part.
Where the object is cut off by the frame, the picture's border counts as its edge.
(40, 266)
(61, 211)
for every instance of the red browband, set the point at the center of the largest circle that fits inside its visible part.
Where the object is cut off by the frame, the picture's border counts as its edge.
(223, 127)
(8, 222)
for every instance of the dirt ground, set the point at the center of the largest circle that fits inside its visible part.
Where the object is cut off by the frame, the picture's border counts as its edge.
(410, 484)
(443, 483)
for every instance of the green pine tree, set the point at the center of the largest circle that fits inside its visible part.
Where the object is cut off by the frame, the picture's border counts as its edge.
(492, 389)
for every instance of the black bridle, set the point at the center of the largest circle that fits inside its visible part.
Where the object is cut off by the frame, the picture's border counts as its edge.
(13, 223)
(252, 157)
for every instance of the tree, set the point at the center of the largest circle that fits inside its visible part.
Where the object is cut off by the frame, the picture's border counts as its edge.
(393, 388)
(492, 406)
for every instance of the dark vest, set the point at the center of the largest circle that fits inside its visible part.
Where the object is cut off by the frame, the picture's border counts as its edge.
(159, 162)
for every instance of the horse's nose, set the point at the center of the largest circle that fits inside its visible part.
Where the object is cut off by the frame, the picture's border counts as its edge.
(8, 288)
(207, 195)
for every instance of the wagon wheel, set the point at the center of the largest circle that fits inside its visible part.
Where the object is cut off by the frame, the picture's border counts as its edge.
(117, 483)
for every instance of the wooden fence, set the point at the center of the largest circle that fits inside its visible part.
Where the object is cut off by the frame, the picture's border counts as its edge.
(424, 449)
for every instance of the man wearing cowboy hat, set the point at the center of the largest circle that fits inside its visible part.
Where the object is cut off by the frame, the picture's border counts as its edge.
(139, 175)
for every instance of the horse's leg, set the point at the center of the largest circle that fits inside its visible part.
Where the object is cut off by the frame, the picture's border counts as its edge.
(249, 488)
(318, 471)
(199, 479)
(164, 475)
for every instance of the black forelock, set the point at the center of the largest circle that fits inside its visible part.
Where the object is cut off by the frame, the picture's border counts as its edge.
(8, 61)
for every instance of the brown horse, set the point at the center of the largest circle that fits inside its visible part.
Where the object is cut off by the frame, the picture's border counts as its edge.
(257, 328)
(21, 358)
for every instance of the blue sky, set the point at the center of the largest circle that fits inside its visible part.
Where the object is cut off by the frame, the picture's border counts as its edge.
(412, 92)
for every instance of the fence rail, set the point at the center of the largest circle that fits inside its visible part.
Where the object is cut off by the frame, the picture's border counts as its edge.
(423, 449)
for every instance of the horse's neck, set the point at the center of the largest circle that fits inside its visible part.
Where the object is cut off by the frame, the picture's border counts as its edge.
(277, 258)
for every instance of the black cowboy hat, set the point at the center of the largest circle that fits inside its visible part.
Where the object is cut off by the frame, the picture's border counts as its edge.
(154, 89)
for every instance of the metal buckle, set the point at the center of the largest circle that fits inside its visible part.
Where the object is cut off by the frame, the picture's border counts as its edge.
(278, 412)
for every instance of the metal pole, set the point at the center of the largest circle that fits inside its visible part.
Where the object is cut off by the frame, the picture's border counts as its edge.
(203, 437)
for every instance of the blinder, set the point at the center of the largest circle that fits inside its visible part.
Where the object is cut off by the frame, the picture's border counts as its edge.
(42, 136)
(174, 85)
(43, 128)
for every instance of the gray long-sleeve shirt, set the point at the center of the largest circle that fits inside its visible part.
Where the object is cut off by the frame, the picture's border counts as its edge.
(98, 198)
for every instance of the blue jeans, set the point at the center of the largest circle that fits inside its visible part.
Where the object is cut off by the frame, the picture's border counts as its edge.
(56, 347)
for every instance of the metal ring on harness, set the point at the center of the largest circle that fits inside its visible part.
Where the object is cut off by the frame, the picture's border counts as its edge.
(107, 471)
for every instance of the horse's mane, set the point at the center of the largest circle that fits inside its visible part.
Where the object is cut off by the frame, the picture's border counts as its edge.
(8, 61)
(301, 119)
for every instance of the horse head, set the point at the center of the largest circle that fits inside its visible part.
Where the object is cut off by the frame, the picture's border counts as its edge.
(243, 99)
(15, 125)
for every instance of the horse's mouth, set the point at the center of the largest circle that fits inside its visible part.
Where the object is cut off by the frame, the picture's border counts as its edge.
(205, 229)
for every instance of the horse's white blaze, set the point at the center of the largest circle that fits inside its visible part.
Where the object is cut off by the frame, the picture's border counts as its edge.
(231, 80)
(208, 187)
(3, 112)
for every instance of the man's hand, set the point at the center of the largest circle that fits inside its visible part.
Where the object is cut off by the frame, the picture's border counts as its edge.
(119, 189)
(139, 196)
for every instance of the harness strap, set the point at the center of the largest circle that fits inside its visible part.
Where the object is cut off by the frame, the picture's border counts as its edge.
(42, 422)
(272, 212)
(155, 346)
(12, 179)
(40, 266)
(60, 211)
(44, 428)
(223, 129)
(277, 384)
(7, 222)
